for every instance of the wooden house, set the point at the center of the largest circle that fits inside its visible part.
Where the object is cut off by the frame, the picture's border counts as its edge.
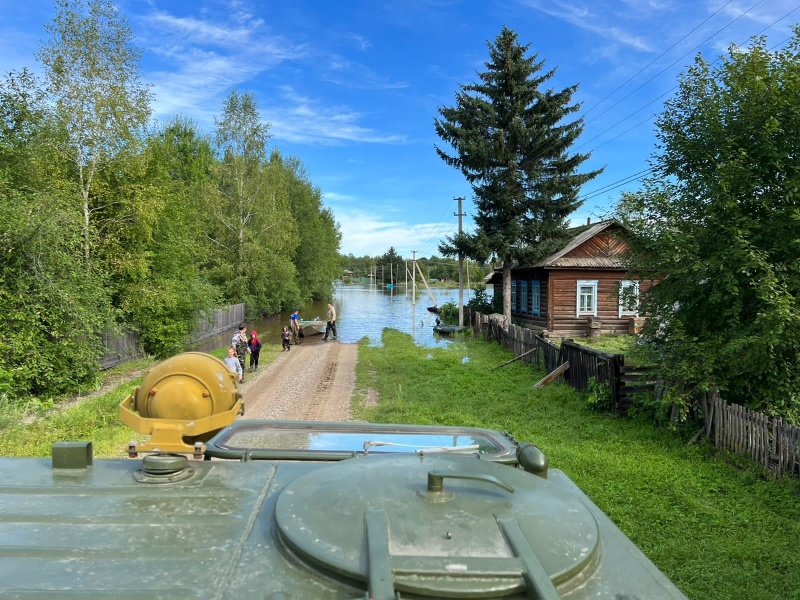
(581, 290)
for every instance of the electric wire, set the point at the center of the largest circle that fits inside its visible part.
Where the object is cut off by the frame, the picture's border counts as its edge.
(652, 62)
(673, 63)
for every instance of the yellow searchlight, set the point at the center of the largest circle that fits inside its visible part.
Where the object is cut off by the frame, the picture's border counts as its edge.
(182, 402)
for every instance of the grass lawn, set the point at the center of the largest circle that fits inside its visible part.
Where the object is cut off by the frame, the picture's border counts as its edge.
(716, 529)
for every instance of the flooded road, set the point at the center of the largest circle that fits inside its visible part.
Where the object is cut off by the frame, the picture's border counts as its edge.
(361, 311)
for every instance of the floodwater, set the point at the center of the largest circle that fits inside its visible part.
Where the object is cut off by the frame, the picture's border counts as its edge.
(361, 311)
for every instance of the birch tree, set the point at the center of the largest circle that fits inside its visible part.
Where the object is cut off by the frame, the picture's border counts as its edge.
(252, 225)
(93, 77)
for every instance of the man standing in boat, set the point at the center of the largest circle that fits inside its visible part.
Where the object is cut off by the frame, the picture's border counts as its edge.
(331, 328)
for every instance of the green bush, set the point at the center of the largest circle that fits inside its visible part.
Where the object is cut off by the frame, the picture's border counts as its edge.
(599, 396)
(481, 302)
(448, 313)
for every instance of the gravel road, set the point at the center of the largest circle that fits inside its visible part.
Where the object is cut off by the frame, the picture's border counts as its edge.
(313, 381)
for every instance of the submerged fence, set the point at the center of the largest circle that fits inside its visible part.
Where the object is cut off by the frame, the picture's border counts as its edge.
(125, 346)
(767, 440)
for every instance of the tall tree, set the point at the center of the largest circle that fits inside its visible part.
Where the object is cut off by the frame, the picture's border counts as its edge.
(92, 71)
(512, 144)
(720, 225)
(316, 257)
(254, 234)
(159, 255)
(392, 261)
(49, 301)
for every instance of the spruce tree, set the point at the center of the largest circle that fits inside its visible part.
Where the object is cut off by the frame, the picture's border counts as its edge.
(512, 144)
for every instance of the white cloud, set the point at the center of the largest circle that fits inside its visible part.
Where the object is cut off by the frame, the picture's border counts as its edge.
(346, 73)
(369, 234)
(588, 18)
(201, 59)
(301, 119)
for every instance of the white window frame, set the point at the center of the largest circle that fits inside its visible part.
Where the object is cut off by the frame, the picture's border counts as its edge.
(628, 283)
(588, 284)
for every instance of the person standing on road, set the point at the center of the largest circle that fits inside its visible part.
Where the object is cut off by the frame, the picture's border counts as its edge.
(232, 362)
(294, 321)
(331, 328)
(239, 343)
(285, 339)
(254, 345)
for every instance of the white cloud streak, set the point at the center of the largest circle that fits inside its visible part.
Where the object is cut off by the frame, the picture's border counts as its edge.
(589, 18)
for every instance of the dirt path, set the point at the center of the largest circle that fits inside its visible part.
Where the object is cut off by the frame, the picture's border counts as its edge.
(313, 381)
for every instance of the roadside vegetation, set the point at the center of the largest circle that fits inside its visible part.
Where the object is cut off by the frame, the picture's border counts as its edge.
(716, 525)
(93, 417)
(110, 221)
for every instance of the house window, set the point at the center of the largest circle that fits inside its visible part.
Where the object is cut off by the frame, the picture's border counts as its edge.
(587, 298)
(536, 301)
(523, 297)
(628, 298)
(513, 296)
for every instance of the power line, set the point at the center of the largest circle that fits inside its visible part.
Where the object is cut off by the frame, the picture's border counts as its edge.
(672, 89)
(648, 65)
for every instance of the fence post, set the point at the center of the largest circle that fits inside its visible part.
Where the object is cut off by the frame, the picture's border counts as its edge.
(617, 362)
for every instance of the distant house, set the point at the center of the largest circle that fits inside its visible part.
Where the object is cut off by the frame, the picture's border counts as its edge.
(583, 289)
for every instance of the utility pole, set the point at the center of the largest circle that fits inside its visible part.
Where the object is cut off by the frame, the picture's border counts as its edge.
(413, 277)
(459, 214)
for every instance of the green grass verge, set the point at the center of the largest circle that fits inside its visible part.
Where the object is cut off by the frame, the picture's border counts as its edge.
(715, 529)
(94, 418)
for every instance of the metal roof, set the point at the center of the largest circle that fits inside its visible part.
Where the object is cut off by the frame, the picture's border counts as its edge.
(560, 260)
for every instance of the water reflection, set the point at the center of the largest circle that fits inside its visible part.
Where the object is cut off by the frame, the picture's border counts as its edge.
(362, 311)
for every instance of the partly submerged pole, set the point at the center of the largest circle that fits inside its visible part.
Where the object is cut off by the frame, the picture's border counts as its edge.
(459, 214)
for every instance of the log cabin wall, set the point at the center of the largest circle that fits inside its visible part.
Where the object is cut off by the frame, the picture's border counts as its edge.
(564, 286)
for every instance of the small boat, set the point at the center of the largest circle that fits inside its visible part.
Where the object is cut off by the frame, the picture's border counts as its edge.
(448, 329)
(312, 327)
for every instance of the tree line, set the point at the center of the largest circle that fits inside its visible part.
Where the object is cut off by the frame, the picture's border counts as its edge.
(109, 220)
(390, 267)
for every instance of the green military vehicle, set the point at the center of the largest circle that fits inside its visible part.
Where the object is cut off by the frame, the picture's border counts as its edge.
(213, 507)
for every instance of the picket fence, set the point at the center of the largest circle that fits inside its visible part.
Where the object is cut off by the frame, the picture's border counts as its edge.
(767, 440)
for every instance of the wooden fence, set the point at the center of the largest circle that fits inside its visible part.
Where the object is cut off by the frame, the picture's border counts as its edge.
(120, 348)
(767, 440)
(586, 365)
(123, 346)
(216, 321)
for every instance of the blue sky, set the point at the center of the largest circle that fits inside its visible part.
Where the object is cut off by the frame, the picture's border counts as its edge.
(352, 88)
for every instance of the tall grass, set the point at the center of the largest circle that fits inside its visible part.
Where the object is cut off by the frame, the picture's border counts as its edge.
(716, 529)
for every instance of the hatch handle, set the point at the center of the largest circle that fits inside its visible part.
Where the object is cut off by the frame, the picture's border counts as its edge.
(436, 480)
